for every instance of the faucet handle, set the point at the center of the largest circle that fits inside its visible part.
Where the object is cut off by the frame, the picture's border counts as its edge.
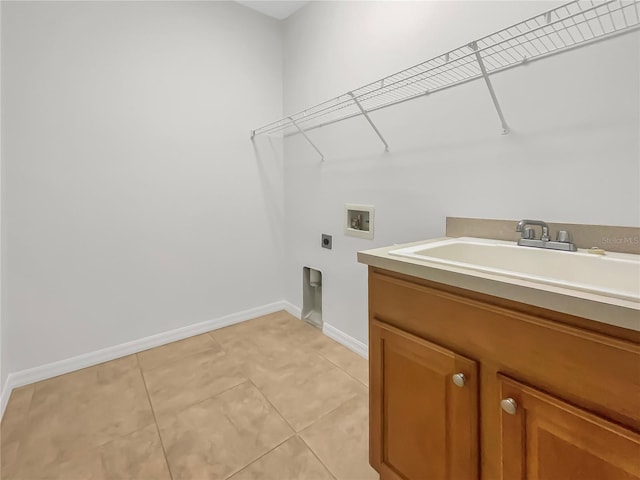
(545, 233)
(563, 236)
(529, 233)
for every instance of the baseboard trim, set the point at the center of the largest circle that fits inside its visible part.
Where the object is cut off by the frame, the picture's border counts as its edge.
(332, 332)
(43, 372)
(7, 388)
(292, 309)
(348, 341)
(36, 374)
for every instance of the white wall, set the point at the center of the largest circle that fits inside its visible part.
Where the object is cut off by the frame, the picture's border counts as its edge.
(3, 376)
(133, 200)
(572, 156)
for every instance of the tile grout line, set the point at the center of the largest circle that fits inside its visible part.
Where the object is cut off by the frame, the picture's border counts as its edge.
(218, 342)
(328, 413)
(296, 432)
(259, 457)
(83, 450)
(315, 351)
(318, 351)
(246, 379)
(185, 407)
(316, 455)
(280, 413)
(342, 369)
(273, 406)
(182, 409)
(155, 419)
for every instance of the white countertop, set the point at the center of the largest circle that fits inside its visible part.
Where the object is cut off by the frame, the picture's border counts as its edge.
(612, 311)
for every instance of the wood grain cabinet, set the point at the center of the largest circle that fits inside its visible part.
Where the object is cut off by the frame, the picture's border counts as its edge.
(543, 437)
(466, 386)
(425, 424)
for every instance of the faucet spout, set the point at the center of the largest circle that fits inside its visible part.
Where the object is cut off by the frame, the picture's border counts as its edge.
(545, 228)
(528, 238)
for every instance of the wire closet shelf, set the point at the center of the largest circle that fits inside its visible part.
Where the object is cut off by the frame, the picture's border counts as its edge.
(569, 26)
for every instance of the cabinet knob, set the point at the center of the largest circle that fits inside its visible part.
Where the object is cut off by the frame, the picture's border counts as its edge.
(509, 405)
(459, 379)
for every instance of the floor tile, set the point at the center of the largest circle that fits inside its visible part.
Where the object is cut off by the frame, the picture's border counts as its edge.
(8, 456)
(303, 395)
(175, 351)
(274, 322)
(19, 402)
(100, 374)
(308, 337)
(341, 440)
(76, 412)
(219, 436)
(135, 456)
(263, 343)
(275, 368)
(264, 334)
(228, 403)
(12, 427)
(16, 414)
(350, 362)
(290, 461)
(284, 361)
(176, 385)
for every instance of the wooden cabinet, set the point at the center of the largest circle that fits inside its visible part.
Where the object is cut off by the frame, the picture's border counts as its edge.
(545, 395)
(543, 437)
(423, 425)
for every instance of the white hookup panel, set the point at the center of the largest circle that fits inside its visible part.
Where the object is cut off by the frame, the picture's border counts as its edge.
(358, 220)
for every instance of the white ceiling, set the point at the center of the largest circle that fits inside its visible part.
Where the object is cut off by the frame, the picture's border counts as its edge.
(275, 9)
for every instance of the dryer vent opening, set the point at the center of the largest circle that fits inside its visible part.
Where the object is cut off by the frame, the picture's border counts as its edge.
(312, 296)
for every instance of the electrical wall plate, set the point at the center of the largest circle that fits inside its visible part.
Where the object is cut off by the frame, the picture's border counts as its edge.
(358, 220)
(326, 241)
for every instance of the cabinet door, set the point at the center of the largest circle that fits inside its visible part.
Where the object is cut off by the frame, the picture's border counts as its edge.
(423, 425)
(545, 438)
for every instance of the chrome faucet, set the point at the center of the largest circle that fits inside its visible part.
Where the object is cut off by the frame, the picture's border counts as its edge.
(545, 228)
(528, 237)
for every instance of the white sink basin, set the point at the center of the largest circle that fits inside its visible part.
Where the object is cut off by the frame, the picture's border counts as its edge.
(613, 275)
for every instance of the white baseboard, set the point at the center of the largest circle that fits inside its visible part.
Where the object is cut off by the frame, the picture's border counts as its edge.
(332, 332)
(348, 341)
(6, 393)
(36, 374)
(31, 375)
(292, 309)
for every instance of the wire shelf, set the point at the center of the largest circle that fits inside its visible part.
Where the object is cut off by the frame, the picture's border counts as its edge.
(571, 25)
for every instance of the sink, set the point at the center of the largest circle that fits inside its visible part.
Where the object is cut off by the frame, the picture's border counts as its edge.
(613, 275)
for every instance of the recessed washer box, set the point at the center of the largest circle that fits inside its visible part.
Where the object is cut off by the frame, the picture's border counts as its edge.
(358, 220)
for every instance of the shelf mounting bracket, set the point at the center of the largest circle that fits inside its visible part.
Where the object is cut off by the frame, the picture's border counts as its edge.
(474, 46)
(308, 139)
(373, 125)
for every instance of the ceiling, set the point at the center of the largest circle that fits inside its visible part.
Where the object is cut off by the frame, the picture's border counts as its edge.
(275, 9)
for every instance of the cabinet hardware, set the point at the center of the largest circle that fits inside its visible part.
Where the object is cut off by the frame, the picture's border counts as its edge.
(509, 405)
(459, 379)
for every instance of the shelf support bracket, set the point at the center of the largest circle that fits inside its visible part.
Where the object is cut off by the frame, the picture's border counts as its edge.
(505, 128)
(373, 125)
(307, 137)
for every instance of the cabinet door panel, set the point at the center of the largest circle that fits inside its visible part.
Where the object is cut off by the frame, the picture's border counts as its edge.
(422, 425)
(549, 439)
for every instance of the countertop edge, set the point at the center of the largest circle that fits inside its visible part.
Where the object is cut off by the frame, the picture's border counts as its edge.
(580, 304)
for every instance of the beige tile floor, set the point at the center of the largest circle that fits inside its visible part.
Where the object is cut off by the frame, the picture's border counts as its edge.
(271, 398)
